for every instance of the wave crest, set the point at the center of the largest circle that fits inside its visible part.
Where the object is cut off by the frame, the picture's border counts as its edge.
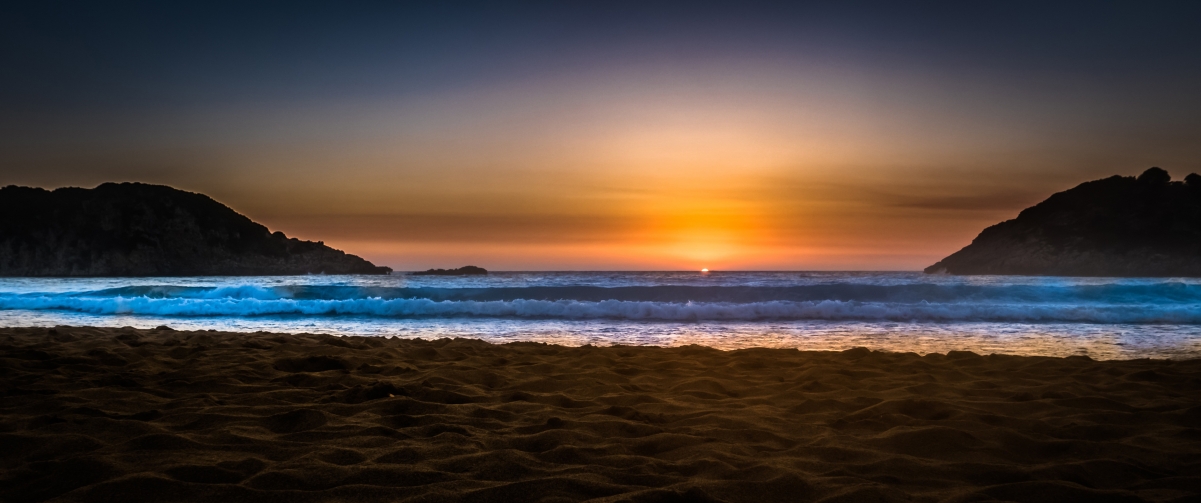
(614, 309)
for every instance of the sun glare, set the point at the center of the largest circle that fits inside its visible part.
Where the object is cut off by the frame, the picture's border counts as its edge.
(704, 270)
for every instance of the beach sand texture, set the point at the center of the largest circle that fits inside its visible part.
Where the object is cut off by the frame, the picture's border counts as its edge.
(93, 414)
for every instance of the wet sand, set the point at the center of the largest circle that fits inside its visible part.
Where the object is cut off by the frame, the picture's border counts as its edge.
(93, 414)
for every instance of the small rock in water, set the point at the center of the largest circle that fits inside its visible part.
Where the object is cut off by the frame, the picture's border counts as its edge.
(164, 327)
(467, 270)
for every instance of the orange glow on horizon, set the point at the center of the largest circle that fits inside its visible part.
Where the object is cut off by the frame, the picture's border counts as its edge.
(767, 168)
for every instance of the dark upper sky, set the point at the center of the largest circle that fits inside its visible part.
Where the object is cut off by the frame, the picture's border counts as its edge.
(68, 55)
(563, 125)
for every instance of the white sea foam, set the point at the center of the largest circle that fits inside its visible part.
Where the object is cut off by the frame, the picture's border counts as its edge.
(1101, 317)
(249, 305)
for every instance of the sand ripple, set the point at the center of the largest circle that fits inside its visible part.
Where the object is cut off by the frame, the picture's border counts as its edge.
(133, 415)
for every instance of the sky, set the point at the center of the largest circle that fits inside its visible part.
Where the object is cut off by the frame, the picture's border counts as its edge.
(606, 135)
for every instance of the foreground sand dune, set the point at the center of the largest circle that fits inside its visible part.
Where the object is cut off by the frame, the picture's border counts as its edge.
(156, 415)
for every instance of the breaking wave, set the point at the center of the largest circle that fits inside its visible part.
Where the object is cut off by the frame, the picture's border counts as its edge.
(1160, 302)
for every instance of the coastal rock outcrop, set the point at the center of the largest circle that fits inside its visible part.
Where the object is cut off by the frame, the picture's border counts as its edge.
(1117, 226)
(467, 270)
(136, 229)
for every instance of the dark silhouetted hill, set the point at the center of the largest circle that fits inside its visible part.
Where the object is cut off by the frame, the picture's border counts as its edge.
(1117, 226)
(135, 229)
(467, 270)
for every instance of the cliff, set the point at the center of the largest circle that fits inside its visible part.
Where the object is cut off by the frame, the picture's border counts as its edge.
(1117, 226)
(135, 229)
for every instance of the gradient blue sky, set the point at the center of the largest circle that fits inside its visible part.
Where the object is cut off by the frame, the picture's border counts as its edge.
(606, 135)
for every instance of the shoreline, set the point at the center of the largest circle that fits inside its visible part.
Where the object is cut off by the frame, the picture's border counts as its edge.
(1105, 343)
(120, 413)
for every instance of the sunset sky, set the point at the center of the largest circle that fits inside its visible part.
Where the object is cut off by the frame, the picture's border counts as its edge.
(606, 135)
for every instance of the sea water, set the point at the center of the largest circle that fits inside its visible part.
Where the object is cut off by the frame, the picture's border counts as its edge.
(1104, 318)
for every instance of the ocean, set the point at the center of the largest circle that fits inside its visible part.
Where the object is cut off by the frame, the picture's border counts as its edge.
(1103, 318)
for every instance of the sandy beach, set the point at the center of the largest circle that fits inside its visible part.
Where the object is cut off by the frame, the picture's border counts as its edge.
(93, 414)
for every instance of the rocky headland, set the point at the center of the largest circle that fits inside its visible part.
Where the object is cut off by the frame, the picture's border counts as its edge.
(1117, 226)
(136, 229)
